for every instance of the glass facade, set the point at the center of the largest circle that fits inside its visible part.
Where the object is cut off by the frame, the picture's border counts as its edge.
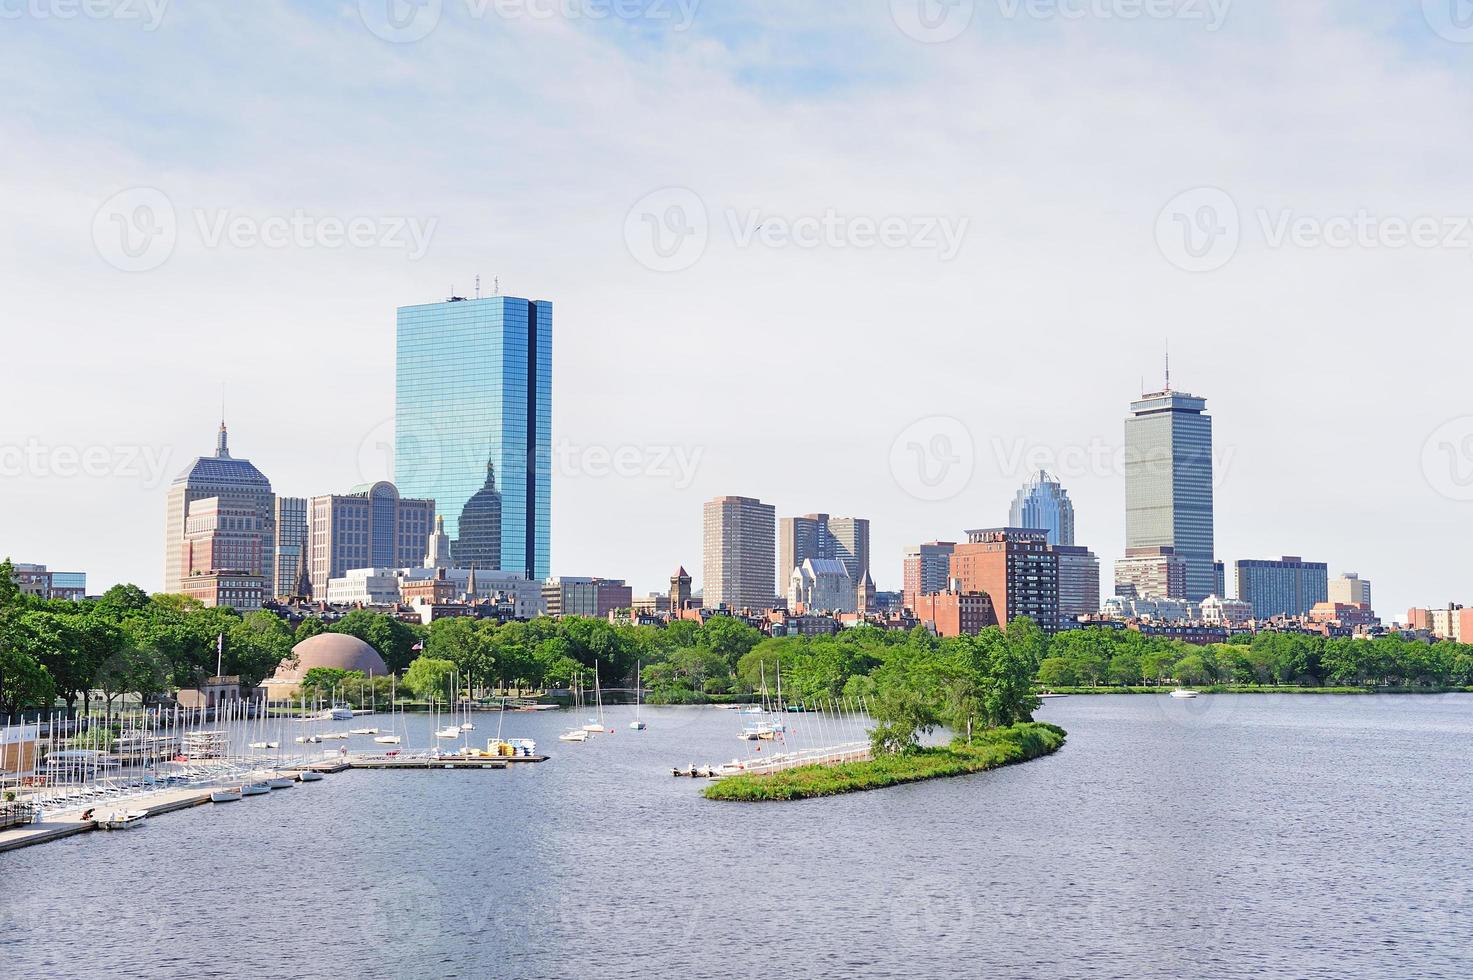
(1043, 504)
(1168, 483)
(474, 390)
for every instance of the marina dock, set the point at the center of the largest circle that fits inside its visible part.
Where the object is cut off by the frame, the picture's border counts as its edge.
(62, 824)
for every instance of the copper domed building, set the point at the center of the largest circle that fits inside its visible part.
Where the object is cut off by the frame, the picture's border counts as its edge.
(335, 651)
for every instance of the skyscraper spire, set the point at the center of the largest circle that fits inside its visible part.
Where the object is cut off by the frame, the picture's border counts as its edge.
(1168, 365)
(222, 444)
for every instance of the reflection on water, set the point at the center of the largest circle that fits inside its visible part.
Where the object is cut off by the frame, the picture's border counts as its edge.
(1224, 837)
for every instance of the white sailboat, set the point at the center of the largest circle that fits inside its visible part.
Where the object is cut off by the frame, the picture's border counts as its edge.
(596, 725)
(637, 724)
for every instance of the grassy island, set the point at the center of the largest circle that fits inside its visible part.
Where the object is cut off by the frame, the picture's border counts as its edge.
(1022, 742)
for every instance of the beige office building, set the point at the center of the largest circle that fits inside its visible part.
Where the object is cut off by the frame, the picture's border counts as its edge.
(739, 554)
(238, 486)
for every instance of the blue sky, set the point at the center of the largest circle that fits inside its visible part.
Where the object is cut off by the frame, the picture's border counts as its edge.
(528, 147)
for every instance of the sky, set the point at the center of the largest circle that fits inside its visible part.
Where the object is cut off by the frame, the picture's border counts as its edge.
(879, 258)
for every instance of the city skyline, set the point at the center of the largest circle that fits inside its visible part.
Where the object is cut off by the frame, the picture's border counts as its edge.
(643, 361)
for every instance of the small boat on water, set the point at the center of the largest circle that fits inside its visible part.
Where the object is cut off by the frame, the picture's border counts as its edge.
(1049, 695)
(255, 789)
(574, 735)
(305, 739)
(124, 820)
(280, 782)
(227, 794)
(335, 736)
(452, 731)
(265, 745)
(363, 731)
(637, 724)
(309, 776)
(338, 712)
(1183, 694)
(387, 739)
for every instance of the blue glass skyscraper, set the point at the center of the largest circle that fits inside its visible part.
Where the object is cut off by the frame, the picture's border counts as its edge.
(474, 405)
(1043, 505)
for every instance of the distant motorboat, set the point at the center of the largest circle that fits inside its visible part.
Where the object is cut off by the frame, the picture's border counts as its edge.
(387, 739)
(573, 735)
(1049, 695)
(301, 739)
(1183, 694)
(638, 725)
(453, 731)
(363, 731)
(467, 726)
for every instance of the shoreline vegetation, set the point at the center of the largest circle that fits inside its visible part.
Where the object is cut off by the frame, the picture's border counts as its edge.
(1257, 689)
(991, 749)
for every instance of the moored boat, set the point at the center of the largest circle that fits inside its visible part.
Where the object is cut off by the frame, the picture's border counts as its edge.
(123, 821)
(226, 794)
(1183, 694)
(309, 776)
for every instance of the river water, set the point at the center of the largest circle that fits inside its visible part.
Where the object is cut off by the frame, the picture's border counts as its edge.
(1243, 836)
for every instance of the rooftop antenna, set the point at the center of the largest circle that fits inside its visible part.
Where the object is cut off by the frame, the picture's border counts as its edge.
(495, 285)
(478, 285)
(1168, 365)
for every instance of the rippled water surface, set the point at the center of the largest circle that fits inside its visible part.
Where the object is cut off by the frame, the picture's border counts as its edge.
(1226, 837)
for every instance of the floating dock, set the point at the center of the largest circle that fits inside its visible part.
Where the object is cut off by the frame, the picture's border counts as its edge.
(69, 823)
